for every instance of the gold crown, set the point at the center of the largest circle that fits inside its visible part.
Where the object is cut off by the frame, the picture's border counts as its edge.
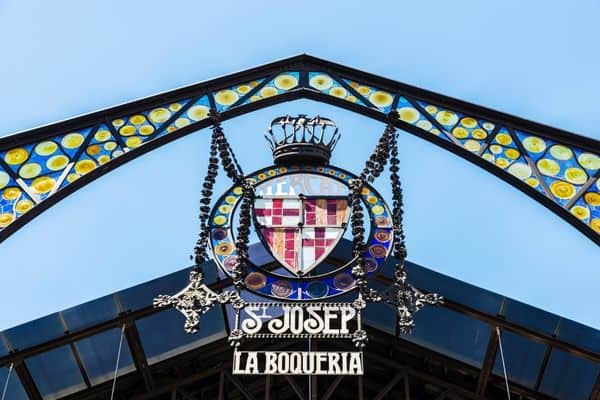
(303, 140)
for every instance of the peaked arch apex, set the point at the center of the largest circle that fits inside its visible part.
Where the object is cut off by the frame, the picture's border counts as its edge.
(40, 166)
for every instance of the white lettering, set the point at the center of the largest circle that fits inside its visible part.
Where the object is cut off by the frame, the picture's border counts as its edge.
(297, 363)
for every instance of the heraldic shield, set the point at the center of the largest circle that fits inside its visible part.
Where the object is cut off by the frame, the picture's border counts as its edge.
(301, 231)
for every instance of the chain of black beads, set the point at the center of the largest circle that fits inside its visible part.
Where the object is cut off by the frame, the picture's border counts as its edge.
(200, 254)
(228, 160)
(386, 147)
(243, 232)
(397, 204)
(219, 150)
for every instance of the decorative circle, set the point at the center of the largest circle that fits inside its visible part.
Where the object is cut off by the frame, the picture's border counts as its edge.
(371, 264)
(224, 249)
(343, 281)
(382, 221)
(496, 149)
(378, 251)
(281, 288)
(23, 206)
(72, 140)
(381, 99)
(589, 161)
(512, 154)
(548, 167)
(562, 190)
(196, 113)
(338, 92)
(181, 122)
(219, 234)
(46, 148)
(534, 144)
(321, 82)
(4, 179)
(532, 182)
(133, 142)
(137, 119)
(82, 167)
(255, 280)
(220, 220)
(460, 133)
(146, 130)
(468, 122)
(286, 82)
(43, 184)
(595, 224)
(520, 170)
(230, 263)
(472, 145)
(30, 170)
(561, 152)
(410, 115)
(159, 115)
(226, 97)
(6, 219)
(225, 209)
(93, 150)
(11, 193)
(479, 134)
(317, 289)
(447, 118)
(57, 163)
(377, 209)
(504, 139)
(592, 198)
(268, 91)
(383, 236)
(243, 89)
(576, 175)
(580, 212)
(16, 156)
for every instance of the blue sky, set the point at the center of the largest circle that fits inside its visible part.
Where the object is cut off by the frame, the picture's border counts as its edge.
(533, 59)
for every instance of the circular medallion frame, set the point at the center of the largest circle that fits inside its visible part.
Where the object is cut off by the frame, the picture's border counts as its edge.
(280, 287)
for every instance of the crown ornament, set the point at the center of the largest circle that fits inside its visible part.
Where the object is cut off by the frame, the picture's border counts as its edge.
(303, 140)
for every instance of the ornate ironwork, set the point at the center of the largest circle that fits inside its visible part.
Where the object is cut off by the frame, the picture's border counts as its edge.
(196, 299)
(407, 300)
(402, 296)
(302, 140)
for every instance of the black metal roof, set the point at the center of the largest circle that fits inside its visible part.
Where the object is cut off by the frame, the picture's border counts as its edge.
(453, 350)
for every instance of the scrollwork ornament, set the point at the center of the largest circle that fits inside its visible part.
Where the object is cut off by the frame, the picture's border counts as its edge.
(195, 300)
(360, 338)
(235, 337)
(407, 300)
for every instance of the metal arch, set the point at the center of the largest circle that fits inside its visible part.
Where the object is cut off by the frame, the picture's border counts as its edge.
(304, 64)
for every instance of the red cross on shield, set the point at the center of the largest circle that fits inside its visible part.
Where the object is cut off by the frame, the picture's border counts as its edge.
(301, 231)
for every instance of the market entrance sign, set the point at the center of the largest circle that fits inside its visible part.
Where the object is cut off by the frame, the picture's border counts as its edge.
(300, 208)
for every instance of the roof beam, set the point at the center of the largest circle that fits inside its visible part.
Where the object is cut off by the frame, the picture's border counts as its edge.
(139, 356)
(503, 324)
(27, 381)
(239, 385)
(390, 385)
(268, 387)
(329, 392)
(488, 363)
(596, 390)
(91, 330)
(297, 389)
